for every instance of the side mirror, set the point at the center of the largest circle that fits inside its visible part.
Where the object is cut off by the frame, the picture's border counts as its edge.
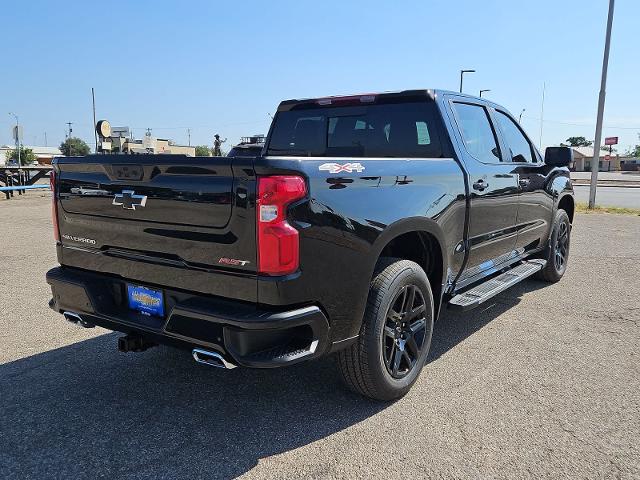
(558, 156)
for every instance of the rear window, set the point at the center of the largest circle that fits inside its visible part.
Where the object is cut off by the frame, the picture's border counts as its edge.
(388, 130)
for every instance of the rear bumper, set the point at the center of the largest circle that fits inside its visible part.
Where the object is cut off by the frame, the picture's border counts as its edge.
(242, 332)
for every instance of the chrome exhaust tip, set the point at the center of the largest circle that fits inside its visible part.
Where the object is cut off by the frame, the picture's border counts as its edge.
(212, 359)
(77, 319)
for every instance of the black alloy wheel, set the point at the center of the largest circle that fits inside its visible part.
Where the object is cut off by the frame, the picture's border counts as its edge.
(388, 355)
(562, 246)
(557, 252)
(404, 331)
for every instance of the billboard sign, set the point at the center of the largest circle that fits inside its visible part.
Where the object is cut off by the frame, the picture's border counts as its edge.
(611, 141)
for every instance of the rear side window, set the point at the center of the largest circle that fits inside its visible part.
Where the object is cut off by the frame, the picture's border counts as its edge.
(521, 150)
(405, 130)
(477, 133)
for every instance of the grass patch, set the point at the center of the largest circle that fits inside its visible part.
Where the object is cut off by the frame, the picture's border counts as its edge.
(583, 208)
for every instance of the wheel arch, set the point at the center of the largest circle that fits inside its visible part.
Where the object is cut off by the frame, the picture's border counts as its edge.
(567, 203)
(420, 240)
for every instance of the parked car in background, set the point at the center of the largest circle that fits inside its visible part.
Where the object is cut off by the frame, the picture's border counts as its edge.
(248, 147)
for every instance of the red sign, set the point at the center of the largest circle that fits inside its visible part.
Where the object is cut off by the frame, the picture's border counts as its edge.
(607, 158)
(611, 141)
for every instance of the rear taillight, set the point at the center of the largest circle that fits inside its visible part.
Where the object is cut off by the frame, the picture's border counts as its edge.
(54, 206)
(278, 242)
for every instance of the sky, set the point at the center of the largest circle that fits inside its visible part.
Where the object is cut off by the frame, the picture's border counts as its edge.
(223, 66)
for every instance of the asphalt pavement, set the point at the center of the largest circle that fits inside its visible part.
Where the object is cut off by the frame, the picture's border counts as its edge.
(544, 382)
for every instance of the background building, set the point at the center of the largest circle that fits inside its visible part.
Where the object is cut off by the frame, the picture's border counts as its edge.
(150, 145)
(582, 157)
(44, 154)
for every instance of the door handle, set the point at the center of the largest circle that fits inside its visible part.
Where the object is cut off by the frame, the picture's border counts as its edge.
(480, 185)
(524, 182)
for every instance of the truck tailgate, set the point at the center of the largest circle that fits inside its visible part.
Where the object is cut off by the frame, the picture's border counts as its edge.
(185, 212)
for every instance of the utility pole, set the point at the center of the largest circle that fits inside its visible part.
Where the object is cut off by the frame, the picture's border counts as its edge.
(520, 116)
(601, 98)
(544, 87)
(485, 90)
(189, 135)
(70, 129)
(462, 72)
(95, 133)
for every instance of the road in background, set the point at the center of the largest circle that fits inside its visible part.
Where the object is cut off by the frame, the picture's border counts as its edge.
(608, 176)
(627, 197)
(542, 382)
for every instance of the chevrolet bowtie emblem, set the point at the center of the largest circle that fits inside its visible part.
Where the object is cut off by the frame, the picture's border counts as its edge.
(129, 200)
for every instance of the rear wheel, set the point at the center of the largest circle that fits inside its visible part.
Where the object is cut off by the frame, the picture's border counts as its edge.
(558, 251)
(395, 335)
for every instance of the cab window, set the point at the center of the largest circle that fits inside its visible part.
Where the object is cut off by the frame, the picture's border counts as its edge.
(477, 132)
(519, 147)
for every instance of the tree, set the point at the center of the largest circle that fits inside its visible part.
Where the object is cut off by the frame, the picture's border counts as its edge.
(609, 149)
(579, 142)
(27, 156)
(74, 147)
(203, 151)
(635, 151)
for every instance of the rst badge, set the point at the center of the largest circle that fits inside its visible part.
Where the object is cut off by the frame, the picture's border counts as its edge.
(233, 261)
(341, 167)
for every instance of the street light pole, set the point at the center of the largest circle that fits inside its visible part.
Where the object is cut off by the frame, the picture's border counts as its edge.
(603, 87)
(17, 136)
(462, 72)
(485, 90)
(544, 87)
(520, 116)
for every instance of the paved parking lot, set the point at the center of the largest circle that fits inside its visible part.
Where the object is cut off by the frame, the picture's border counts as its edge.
(542, 383)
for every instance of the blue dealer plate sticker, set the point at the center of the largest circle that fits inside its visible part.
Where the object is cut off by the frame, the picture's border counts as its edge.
(145, 300)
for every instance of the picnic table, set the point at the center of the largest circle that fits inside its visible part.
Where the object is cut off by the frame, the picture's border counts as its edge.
(20, 179)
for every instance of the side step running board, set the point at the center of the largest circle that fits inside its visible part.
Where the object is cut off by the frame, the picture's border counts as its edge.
(484, 291)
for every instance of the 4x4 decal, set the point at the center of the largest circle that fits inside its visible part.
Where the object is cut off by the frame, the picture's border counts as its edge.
(344, 167)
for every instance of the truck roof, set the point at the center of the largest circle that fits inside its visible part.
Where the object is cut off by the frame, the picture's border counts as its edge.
(369, 98)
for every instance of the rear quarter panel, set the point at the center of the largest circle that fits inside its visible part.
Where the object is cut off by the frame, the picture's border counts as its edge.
(349, 217)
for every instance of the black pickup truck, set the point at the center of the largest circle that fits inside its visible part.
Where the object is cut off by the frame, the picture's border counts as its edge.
(363, 217)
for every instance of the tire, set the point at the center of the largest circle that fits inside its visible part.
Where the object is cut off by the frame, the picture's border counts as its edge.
(558, 249)
(370, 366)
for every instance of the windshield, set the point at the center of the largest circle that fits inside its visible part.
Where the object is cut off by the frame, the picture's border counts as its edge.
(387, 130)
